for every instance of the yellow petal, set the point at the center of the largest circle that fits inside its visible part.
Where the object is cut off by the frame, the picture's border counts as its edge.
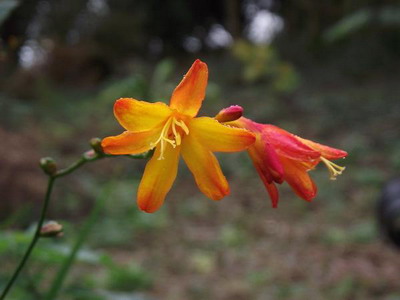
(189, 94)
(135, 115)
(131, 142)
(157, 180)
(220, 138)
(205, 168)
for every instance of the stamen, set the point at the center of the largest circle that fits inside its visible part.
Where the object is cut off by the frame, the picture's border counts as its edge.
(162, 139)
(176, 133)
(164, 135)
(333, 168)
(182, 125)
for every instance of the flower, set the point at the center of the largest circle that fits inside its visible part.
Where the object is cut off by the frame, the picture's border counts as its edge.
(173, 130)
(280, 156)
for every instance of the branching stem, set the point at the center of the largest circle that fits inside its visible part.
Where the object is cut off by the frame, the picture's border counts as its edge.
(88, 156)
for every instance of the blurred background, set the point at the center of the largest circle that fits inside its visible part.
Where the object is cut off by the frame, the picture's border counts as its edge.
(325, 70)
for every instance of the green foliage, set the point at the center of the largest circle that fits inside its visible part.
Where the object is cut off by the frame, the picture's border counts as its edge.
(262, 63)
(127, 277)
(360, 19)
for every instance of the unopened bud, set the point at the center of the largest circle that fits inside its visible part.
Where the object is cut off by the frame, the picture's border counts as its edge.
(90, 154)
(229, 114)
(48, 165)
(95, 143)
(52, 229)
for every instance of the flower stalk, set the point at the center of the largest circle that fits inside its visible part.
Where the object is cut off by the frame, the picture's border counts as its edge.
(49, 168)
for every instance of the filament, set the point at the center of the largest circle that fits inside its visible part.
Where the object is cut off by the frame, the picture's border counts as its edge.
(334, 169)
(165, 138)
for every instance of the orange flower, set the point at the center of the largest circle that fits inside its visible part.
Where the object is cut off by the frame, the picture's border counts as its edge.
(173, 130)
(280, 156)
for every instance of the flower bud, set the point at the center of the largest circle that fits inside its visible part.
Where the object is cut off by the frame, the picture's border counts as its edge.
(229, 114)
(90, 155)
(95, 143)
(48, 165)
(51, 229)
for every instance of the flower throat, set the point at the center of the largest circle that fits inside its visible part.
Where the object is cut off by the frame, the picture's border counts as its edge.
(173, 137)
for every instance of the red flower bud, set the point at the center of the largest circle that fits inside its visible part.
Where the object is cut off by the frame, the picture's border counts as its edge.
(229, 114)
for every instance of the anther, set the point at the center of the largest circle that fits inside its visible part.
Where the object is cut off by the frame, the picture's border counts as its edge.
(333, 168)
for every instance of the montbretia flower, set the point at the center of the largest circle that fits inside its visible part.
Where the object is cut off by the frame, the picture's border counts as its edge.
(280, 156)
(173, 130)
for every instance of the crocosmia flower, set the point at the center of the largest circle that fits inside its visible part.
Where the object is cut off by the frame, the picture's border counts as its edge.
(173, 131)
(280, 156)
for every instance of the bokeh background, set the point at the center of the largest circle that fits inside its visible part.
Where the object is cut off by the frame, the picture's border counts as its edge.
(325, 70)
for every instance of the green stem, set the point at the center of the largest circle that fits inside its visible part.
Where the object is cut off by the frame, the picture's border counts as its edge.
(87, 157)
(83, 234)
(72, 167)
(34, 240)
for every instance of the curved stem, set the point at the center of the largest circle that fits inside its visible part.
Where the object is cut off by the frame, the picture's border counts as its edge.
(71, 168)
(34, 240)
(87, 157)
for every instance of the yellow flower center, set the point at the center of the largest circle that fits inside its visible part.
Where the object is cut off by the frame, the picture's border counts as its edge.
(172, 134)
(334, 169)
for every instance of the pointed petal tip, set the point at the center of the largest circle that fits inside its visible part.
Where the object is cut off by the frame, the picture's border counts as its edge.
(190, 92)
(308, 195)
(130, 142)
(342, 153)
(326, 151)
(147, 208)
(123, 104)
(199, 62)
(199, 66)
(223, 193)
(157, 179)
(333, 153)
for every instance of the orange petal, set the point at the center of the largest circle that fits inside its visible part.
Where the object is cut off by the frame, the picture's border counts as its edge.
(269, 185)
(220, 138)
(288, 144)
(327, 152)
(135, 115)
(189, 94)
(157, 180)
(298, 178)
(266, 161)
(273, 193)
(205, 169)
(131, 142)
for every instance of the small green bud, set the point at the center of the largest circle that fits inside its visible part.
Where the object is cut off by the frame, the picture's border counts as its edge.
(48, 165)
(95, 143)
(52, 229)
